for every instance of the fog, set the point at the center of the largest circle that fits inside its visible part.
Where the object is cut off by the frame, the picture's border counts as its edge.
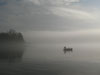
(90, 36)
(47, 46)
(49, 37)
(53, 24)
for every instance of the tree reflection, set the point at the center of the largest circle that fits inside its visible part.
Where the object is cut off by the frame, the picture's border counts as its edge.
(11, 52)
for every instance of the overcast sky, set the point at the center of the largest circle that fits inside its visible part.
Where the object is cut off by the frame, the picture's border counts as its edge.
(49, 14)
(61, 17)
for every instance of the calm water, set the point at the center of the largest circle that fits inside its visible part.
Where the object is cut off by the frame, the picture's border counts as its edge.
(49, 59)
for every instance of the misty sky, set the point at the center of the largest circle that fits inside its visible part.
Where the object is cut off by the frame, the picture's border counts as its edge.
(73, 20)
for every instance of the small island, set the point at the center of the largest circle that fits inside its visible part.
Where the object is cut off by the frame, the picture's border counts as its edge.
(11, 45)
(11, 36)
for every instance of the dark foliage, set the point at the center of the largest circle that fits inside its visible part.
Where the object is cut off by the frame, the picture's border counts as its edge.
(11, 36)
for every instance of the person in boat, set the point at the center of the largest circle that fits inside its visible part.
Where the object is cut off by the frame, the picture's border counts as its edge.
(65, 48)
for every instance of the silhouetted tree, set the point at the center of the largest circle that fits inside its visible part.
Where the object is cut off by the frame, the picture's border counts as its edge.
(11, 35)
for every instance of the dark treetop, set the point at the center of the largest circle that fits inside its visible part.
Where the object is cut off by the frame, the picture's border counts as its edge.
(11, 36)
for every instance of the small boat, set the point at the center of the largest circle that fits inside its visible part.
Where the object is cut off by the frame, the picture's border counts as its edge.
(68, 49)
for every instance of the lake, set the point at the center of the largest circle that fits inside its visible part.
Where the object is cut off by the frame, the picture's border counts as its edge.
(49, 59)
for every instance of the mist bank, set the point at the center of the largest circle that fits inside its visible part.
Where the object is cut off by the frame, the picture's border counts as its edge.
(84, 37)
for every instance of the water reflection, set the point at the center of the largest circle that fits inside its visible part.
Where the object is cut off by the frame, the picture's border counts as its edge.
(11, 52)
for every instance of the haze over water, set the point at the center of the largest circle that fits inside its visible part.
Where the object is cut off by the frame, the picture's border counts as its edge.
(44, 55)
(48, 57)
(49, 46)
(47, 27)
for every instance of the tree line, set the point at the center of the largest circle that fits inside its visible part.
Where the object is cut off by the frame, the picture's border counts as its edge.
(11, 35)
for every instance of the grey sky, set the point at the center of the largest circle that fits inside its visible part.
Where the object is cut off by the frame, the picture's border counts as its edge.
(61, 16)
(47, 15)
